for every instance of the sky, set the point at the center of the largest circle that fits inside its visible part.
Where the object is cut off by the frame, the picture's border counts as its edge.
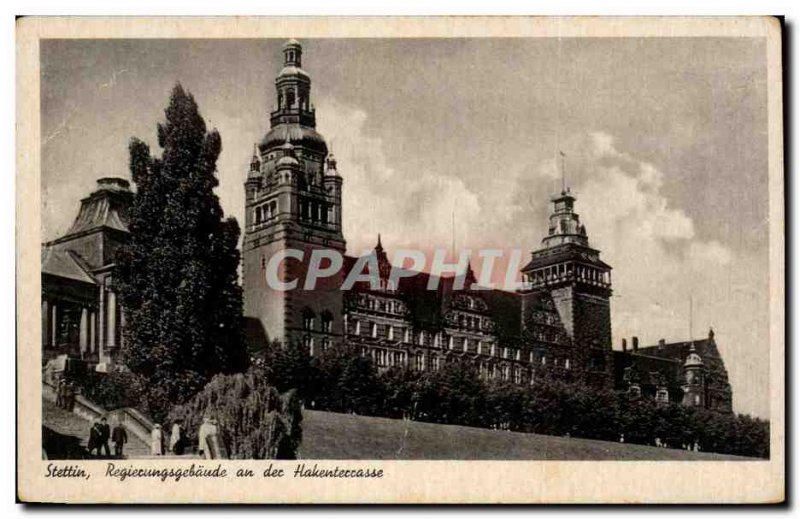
(665, 142)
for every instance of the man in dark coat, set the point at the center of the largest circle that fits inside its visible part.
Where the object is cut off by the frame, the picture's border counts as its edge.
(120, 437)
(105, 434)
(94, 438)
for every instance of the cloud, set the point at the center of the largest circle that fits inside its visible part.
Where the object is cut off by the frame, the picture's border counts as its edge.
(658, 258)
(408, 208)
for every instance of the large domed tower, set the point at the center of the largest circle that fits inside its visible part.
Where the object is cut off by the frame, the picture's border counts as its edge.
(292, 202)
(580, 284)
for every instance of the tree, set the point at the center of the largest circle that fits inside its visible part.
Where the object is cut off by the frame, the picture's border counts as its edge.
(290, 367)
(452, 395)
(255, 421)
(359, 386)
(177, 278)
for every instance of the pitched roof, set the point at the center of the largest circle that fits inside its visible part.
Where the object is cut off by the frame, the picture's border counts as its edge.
(100, 211)
(568, 252)
(427, 307)
(66, 264)
(679, 350)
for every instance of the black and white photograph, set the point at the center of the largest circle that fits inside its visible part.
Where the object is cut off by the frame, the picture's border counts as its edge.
(306, 250)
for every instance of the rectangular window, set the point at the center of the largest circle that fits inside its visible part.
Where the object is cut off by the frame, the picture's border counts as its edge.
(391, 332)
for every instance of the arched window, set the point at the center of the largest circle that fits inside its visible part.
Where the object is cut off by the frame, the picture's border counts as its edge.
(327, 322)
(290, 99)
(308, 319)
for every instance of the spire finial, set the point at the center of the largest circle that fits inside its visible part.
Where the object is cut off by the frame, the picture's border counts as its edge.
(564, 189)
(379, 241)
(255, 161)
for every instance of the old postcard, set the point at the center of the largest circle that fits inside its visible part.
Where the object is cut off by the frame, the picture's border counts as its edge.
(400, 260)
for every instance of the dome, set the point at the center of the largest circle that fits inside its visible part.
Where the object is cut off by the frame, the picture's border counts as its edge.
(693, 359)
(291, 70)
(298, 135)
(287, 160)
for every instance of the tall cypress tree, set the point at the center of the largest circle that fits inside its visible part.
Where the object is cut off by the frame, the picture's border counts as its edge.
(177, 278)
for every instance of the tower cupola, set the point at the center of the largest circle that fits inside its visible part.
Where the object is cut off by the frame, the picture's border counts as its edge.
(288, 160)
(292, 53)
(693, 359)
(565, 225)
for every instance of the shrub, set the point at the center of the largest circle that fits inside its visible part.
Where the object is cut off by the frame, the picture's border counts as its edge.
(113, 390)
(254, 420)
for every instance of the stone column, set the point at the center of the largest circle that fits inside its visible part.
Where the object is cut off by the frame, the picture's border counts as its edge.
(112, 320)
(45, 324)
(92, 332)
(54, 326)
(121, 327)
(101, 325)
(83, 340)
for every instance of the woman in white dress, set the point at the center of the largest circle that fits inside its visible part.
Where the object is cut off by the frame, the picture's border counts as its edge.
(202, 436)
(175, 438)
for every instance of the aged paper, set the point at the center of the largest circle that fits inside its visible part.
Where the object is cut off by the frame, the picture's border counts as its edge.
(416, 304)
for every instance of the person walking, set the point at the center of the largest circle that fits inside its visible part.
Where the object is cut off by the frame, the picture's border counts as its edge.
(105, 435)
(207, 429)
(157, 441)
(94, 438)
(176, 439)
(120, 437)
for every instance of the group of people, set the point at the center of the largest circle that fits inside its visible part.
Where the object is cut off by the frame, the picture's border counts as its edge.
(178, 441)
(101, 432)
(65, 394)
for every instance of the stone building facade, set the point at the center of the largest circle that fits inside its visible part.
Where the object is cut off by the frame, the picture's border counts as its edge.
(559, 323)
(80, 313)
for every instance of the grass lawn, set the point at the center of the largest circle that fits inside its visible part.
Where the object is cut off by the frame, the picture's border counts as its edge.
(341, 436)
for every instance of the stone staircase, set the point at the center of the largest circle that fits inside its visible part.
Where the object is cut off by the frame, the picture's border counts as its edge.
(65, 435)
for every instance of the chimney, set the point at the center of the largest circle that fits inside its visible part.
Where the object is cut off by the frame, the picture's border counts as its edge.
(624, 344)
(661, 343)
(635, 342)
